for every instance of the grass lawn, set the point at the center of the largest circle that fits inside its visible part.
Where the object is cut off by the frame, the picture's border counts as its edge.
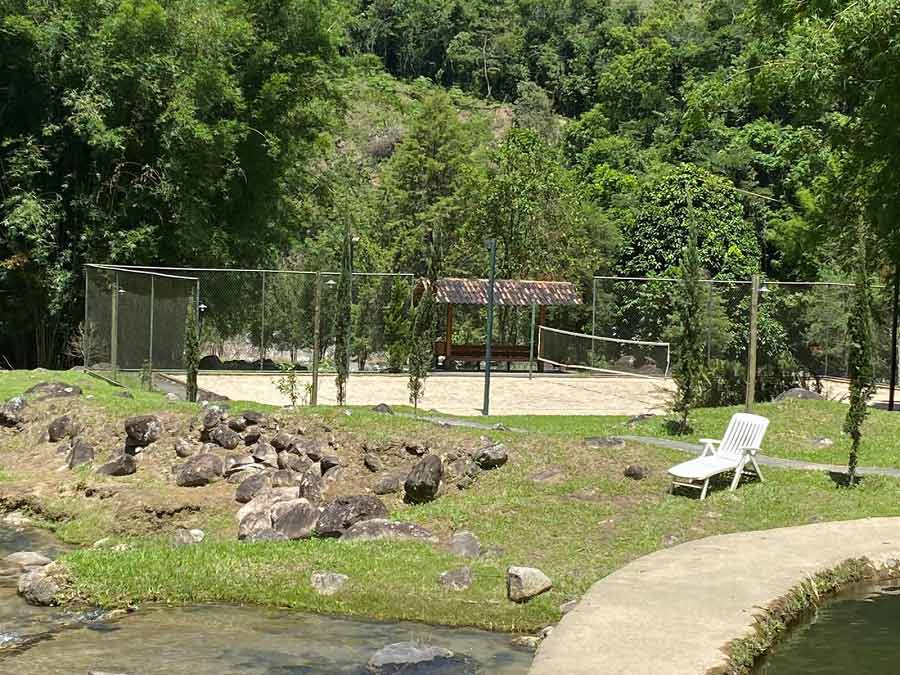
(579, 526)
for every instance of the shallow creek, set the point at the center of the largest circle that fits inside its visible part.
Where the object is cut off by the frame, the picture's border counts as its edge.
(216, 639)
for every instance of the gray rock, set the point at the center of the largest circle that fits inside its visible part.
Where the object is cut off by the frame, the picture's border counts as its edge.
(285, 478)
(60, 428)
(183, 448)
(636, 472)
(240, 474)
(44, 390)
(457, 580)
(567, 607)
(252, 486)
(492, 456)
(295, 519)
(39, 586)
(237, 463)
(288, 460)
(253, 437)
(821, 442)
(143, 430)
(124, 394)
(225, 437)
(387, 485)
(604, 442)
(465, 544)
(328, 462)
(465, 483)
(211, 419)
(26, 559)
(637, 419)
(200, 470)
(311, 447)
(328, 583)
(172, 397)
(266, 534)
(123, 465)
(237, 424)
(253, 417)
(403, 656)
(334, 474)
(266, 454)
(282, 441)
(374, 529)
(253, 525)
(339, 515)
(413, 448)
(372, 462)
(549, 474)
(384, 409)
(310, 483)
(82, 452)
(424, 481)
(11, 412)
(799, 394)
(186, 537)
(524, 583)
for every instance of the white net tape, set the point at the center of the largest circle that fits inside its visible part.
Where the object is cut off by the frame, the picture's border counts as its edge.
(580, 351)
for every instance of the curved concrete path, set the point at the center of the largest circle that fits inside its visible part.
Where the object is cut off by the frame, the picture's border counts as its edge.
(672, 612)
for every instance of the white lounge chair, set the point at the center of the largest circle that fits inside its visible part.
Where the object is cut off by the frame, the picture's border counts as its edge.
(734, 452)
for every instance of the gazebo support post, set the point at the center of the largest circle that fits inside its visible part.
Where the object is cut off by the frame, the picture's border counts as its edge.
(448, 338)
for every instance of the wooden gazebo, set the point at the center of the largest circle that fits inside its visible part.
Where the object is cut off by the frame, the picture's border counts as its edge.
(539, 294)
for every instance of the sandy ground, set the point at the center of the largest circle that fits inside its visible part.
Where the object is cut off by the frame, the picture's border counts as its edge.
(462, 393)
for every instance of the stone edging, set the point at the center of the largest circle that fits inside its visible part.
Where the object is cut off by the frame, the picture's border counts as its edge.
(772, 625)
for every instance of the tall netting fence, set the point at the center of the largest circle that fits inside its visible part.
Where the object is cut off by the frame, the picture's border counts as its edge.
(250, 320)
(802, 335)
(135, 319)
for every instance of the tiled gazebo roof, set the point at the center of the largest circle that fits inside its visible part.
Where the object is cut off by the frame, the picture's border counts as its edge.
(506, 292)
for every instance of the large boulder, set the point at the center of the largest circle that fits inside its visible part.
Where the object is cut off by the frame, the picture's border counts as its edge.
(40, 585)
(295, 519)
(11, 412)
(123, 465)
(237, 463)
(253, 417)
(200, 470)
(44, 390)
(492, 456)
(265, 500)
(142, 430)
(424, 481)
(210, 362)
(310, 483)
(799, 394)
(282, 441)
(313, 448)
(225, 437)
(82, 452)
(266, 454)
(292, 462)
(251, 487)
(340, 514)
(374, 529)
(524, 583)
(26, 559)
(60, 428)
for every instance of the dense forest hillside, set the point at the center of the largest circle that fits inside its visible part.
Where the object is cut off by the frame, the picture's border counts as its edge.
(255, 132)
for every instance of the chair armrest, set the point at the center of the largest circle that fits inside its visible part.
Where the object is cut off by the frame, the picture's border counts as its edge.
(709, 446)
(750, 451)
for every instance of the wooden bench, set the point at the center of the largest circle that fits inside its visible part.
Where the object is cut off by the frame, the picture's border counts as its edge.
(476, 354)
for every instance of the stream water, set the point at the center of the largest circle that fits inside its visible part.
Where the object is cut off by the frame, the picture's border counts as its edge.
(854, 633)
(216, 639)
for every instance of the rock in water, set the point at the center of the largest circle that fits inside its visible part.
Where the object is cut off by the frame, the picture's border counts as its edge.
(339, 515)
(465, 544)
(424, 481)
(492, 456)
(404, 656)
(295, 519)
(25, 559)
(39, 587)
(60, 428)
(141, 431)
(524, 583)
(328, 583)
(200, 470)
(82, 452)
(373, 529)
(123, 465)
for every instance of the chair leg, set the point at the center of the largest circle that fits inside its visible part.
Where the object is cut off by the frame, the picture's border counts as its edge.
(738, 473)
(756, 468)
(705, 488)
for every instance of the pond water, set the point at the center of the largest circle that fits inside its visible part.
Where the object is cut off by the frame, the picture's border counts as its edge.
(855, 633)
(217, 639)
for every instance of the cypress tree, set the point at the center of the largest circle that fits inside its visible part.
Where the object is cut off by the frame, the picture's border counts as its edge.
(343, 319)
(191, 351)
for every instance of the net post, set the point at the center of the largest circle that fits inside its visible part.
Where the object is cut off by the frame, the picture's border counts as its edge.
(314, 391)
(751, 354)
(531, 342)
(594, 306)
(150, 355)
(85, 339)
(114, 329)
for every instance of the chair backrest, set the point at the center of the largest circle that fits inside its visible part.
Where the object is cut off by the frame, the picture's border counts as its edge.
(744, 431)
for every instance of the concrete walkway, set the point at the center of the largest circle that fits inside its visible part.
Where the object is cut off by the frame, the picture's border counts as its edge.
(765, 460)
(672, 612)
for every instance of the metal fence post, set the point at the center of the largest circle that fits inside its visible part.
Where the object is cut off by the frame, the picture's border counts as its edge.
(262, 321)
(314, 392)
(85, 334)
(751, 354)
(593, 306)
(114, 329)
(150, 355)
